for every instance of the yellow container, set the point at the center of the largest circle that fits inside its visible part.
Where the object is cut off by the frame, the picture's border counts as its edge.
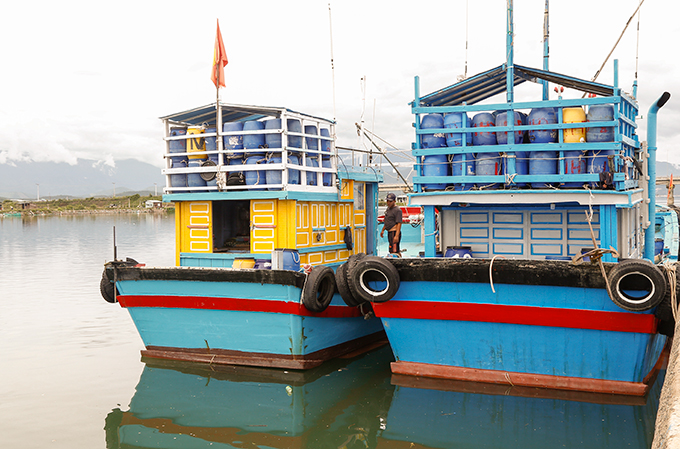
(574, 115)
(195, 144)
(244, 263)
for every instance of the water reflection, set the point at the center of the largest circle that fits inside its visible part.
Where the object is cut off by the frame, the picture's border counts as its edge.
(357, 403)
(339, 404)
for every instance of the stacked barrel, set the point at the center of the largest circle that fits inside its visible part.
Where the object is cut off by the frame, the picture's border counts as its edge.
(488, 163)
(254, 143)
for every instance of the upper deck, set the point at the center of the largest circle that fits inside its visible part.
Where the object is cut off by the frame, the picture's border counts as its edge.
(553, 151)
(246, 151)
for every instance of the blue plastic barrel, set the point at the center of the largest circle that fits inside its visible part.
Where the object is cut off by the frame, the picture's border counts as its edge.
(436, 165)
(256, 177)
(542, 116)
(273, 140)
(598, 161)
(327, 177)
(487, 164)
(457, 163)
(294, 126)
(293, 175)
(178, 146)
(234, 142)
(312, 143)
(194, 179)
(455, 120)
(658, 246)
(286, 259)
(436, 140)
(253, 141)
(502, 120)
(275, 176)
(521, 165)
(574, 164)
(311, 175)
(178, 180)
(484, 120)
(458, 252)
(211, 145)
(325, 144)
(543, 163)
(600, 113)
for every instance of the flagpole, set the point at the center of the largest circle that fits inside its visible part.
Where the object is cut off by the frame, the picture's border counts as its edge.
(218, 107)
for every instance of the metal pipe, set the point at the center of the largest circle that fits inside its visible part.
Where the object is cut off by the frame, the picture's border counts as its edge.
(651, 162)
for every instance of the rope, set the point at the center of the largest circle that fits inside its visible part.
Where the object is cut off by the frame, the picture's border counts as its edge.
(597, 253)
(491, 272)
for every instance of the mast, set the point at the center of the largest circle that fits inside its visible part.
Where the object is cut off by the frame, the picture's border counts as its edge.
(510, 68)
(545, 50)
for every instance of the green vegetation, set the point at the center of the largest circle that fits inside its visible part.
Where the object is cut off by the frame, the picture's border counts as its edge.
(79, 205)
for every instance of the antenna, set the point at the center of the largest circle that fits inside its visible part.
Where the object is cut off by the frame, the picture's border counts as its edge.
(467, 15)
(115, 250)
(330, 27)
(546, 52)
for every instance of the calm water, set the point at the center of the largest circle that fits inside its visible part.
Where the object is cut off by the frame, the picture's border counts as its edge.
(71, 374)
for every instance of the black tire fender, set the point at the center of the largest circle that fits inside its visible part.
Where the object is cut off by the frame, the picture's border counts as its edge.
(319, 289)
(106, 289)
(376, 269)
(641, 276)
(343, 286)
(352, 262)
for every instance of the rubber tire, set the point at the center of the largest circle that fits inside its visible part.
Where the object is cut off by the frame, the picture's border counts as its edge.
(642, 268)
(106, 289)
(343, 287)
(319, 289)
(352, 262)
(664, 313)
(367, 268)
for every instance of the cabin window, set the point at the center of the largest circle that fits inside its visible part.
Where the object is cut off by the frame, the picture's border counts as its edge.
(359, 201)
(231, 226)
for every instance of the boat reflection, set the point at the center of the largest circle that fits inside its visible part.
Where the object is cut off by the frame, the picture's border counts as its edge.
(339, 404)
(356, 403)
(431, 413)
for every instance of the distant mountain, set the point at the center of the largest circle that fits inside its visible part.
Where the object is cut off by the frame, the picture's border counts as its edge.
(85, 179)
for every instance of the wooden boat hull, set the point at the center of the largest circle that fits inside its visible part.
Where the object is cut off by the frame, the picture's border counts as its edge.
(240, 317)
(540, 324)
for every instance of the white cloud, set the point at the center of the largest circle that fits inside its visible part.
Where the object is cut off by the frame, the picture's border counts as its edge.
(90, 81)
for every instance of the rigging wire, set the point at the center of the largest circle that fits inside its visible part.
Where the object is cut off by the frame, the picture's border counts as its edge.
(618, 40)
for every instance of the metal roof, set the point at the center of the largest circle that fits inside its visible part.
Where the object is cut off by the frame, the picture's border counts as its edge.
(232, 113)
(493, 82)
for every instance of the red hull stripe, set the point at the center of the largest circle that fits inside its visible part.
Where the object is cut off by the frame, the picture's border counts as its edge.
(236, 304)
(527, 315)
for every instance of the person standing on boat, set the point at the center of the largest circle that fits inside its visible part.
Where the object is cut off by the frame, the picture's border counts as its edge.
(392, 223)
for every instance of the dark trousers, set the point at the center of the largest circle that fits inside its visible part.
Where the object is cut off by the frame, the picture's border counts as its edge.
(394, 243)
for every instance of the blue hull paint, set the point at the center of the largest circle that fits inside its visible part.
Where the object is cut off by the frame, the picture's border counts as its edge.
(237, 330)
(260, 332)
(592, 354)
(547, 350)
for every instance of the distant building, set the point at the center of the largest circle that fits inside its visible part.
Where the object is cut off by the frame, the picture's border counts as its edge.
(153, 204)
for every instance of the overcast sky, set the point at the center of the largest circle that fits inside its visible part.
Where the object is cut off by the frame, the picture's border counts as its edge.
(83, 79)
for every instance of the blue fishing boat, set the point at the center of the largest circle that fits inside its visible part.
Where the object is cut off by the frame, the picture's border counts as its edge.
(263, 216)
(548, 220)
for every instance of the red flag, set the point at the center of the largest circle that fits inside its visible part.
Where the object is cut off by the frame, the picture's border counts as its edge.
(219, 60)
